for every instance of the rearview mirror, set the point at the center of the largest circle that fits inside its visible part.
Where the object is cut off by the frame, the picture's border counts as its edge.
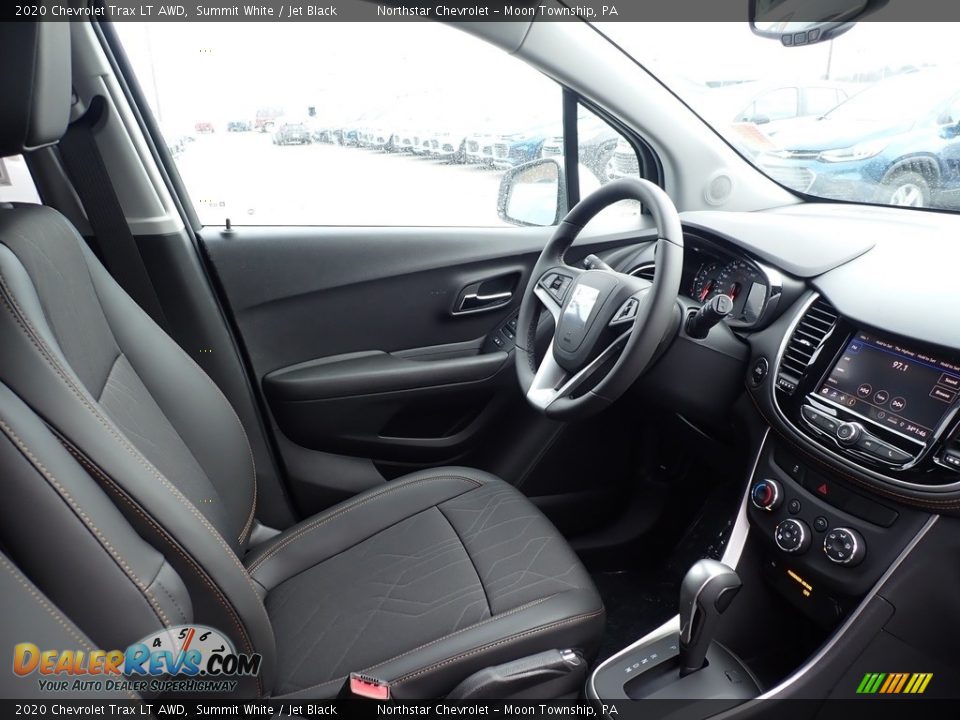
(804, 22)
(534, 193)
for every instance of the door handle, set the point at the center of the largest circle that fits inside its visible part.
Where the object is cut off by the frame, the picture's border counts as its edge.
(473, 302)
(488, 294)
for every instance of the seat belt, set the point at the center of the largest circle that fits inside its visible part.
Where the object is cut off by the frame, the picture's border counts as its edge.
(118, 248)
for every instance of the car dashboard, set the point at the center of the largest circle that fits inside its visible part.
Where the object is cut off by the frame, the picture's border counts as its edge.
(839, 370)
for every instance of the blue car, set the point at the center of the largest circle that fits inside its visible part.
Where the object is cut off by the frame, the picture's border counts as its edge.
(895, 143)
(517, 148)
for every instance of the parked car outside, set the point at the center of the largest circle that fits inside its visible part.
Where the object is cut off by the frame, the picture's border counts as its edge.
(292, 133)
(239, 126)
(204, 127)
(516, 148)
(897, 143)
(772, 105)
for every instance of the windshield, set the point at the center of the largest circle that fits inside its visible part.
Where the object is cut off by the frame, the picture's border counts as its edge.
(872, 116)
(902, 98)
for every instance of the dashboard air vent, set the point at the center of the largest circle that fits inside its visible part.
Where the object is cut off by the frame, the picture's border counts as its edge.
(645, 271)
(804, 344)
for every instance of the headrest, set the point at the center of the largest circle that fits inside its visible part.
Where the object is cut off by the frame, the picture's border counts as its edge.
(35, 84)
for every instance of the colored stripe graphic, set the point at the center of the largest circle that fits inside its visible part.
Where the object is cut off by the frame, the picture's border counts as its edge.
(894, 683)
(891, 679)
(903, 681)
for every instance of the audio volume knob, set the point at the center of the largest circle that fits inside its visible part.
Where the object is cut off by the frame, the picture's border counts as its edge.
(844, 546)
(792, 536)
(848, 433)
(766, 495)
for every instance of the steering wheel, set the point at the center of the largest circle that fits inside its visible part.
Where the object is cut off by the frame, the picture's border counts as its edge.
(607, 325)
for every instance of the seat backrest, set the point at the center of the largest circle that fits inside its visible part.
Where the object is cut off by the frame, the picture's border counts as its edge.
(134, 410)
(123, 399)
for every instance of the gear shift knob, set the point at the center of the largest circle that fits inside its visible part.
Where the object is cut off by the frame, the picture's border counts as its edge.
(705, 594)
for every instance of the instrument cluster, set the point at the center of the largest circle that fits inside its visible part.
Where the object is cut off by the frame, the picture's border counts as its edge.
(742, 280)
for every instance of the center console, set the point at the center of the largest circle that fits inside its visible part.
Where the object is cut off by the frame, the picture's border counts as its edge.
(858, 438)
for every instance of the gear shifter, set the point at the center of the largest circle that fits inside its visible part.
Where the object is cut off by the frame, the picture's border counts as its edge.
(705, 594)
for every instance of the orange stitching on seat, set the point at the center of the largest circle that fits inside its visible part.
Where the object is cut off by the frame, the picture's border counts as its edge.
(246, 438)
(63, 622)
(494, 618)
(217, 592)
(490, 619)
(317, 522)
(150, 320)
(62, 491)
(10, 302)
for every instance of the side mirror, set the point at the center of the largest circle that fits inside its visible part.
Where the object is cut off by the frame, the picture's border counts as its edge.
(534, 193)
(804, 22)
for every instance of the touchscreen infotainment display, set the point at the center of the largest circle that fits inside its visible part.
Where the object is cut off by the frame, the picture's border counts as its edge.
(897, 387)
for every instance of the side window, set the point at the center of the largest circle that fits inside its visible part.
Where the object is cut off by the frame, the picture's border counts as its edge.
(778, 104)
(313, 128)
(605, 155)
(821, 100)
(16, 183)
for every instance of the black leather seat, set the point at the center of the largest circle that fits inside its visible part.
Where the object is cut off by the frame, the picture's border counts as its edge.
(139, 472)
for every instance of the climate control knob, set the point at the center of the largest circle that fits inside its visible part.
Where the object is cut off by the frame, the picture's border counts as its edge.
(792, 536)
(766, 495)
(844, 546)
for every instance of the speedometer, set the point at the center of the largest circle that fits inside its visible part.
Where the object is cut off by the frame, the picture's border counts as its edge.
(705, 282)
(735, 278)
(746, 287)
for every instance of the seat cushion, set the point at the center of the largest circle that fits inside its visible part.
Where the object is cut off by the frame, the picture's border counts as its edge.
(420, 583)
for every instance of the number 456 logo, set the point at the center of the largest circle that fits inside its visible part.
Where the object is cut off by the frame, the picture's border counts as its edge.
(189, 650)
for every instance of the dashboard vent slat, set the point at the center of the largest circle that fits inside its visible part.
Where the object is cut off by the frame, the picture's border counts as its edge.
(808, 336)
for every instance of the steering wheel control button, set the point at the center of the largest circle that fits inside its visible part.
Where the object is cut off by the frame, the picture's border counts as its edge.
(794, 507)
(820, 524)
(844, 546)
(848, 433)
(766, 495)
(792, 536)
(758, 372)
(627, 312)
(556, 284)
